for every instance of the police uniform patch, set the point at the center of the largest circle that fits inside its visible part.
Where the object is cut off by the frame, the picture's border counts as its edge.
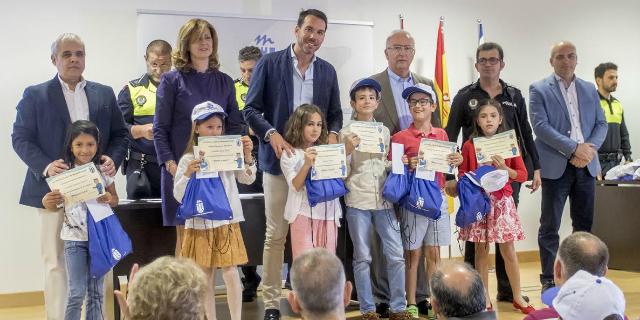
(473, 104)
(141, 100)
(243, 97)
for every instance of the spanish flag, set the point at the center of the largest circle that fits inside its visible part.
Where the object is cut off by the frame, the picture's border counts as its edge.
(441, 79)
(442, 88)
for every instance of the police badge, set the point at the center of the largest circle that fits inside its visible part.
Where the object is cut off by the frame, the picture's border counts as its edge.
(141, 100)
(473, 104)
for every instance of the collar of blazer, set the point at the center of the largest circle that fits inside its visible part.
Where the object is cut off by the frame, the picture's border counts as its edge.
(56, 97)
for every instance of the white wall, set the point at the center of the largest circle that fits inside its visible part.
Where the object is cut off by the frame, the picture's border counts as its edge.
(526, 29)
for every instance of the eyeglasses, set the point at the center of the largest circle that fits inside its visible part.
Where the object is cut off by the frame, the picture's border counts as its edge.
(421, 102)
(399, 49)
(492, 61)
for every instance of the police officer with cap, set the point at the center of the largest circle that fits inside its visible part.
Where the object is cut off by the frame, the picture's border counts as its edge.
(489, 64)
(137, 102)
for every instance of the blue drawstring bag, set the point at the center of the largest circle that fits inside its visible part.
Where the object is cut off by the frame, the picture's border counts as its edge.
(108, 244)
(424, 198)
(324, 190)
(205, 198)
(397, 186)
(474, 202)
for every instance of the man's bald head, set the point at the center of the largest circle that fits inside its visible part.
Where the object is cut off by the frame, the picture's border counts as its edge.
(564, 58)
(582, 251)
(560, 45)
(457, 290)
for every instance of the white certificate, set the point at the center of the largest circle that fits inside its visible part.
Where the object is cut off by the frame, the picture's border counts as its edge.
(433, 154)
(330, 163)
(221, 153)
(78, 184)
(503, 144)
(370, 134)
(397, 150)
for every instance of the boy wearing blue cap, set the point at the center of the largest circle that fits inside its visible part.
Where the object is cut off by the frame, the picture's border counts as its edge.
(366, 209)
(419, 233)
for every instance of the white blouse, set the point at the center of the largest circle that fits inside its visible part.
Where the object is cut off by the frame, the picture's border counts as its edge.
(246, 176)
(297, 201)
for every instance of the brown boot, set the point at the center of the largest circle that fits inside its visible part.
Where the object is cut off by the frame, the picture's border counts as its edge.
(370, 316)
(402, 315)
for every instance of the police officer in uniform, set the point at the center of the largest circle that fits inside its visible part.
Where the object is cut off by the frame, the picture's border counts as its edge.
(489, 63)
(247, 58)
(616, 145)
(137, 102)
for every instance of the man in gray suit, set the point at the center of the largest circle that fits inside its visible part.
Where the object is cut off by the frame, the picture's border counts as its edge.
(393, 112)
(570, 127)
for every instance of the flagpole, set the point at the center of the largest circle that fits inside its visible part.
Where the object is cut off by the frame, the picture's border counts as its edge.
(480, 32)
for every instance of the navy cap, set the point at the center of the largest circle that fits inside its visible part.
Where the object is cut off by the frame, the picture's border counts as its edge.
(420, 87)
(365, 82)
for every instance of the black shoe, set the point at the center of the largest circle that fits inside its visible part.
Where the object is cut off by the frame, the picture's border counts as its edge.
(504, 297)
(423, 307)
(250, 288)
(382, 309)
(547, 285)
(272, 314)
(287, 285)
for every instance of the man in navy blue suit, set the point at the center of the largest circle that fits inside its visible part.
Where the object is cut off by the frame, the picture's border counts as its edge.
(43, 115)
(281, 82)
(570, 127)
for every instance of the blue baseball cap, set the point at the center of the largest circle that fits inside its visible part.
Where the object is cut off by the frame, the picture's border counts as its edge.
(365, 83)
(420, 87)
(205, 109)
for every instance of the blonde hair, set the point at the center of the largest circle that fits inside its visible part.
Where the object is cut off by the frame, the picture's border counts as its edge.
(168, 289)
(190, 31)
(193, 137)
(294, 130)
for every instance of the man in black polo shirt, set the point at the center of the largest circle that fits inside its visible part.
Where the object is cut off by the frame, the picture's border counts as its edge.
(489, 63)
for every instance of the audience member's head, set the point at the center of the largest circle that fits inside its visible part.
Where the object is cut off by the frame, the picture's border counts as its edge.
(456, 291)
(319, 287)
(580, 251)
(587, 296)
(168, 288)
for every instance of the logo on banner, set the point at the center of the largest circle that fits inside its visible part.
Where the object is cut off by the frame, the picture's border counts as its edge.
(265, 43)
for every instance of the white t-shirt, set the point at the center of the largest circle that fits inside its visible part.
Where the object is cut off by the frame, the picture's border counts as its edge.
(74, 225)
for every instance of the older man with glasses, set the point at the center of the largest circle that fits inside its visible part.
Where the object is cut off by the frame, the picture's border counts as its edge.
(489, 64)
(393, 112)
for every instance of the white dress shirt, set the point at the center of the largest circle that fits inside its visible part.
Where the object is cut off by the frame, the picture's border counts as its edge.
(570, 96)
(76, 100)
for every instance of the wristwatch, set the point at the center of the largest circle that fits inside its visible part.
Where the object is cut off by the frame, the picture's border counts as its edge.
(267, 137)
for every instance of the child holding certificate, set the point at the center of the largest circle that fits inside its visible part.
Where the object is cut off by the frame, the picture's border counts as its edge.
(215, 244)
(367, 211)
(502, 224)
(421, 235)
(81, 147)
(310, 227)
